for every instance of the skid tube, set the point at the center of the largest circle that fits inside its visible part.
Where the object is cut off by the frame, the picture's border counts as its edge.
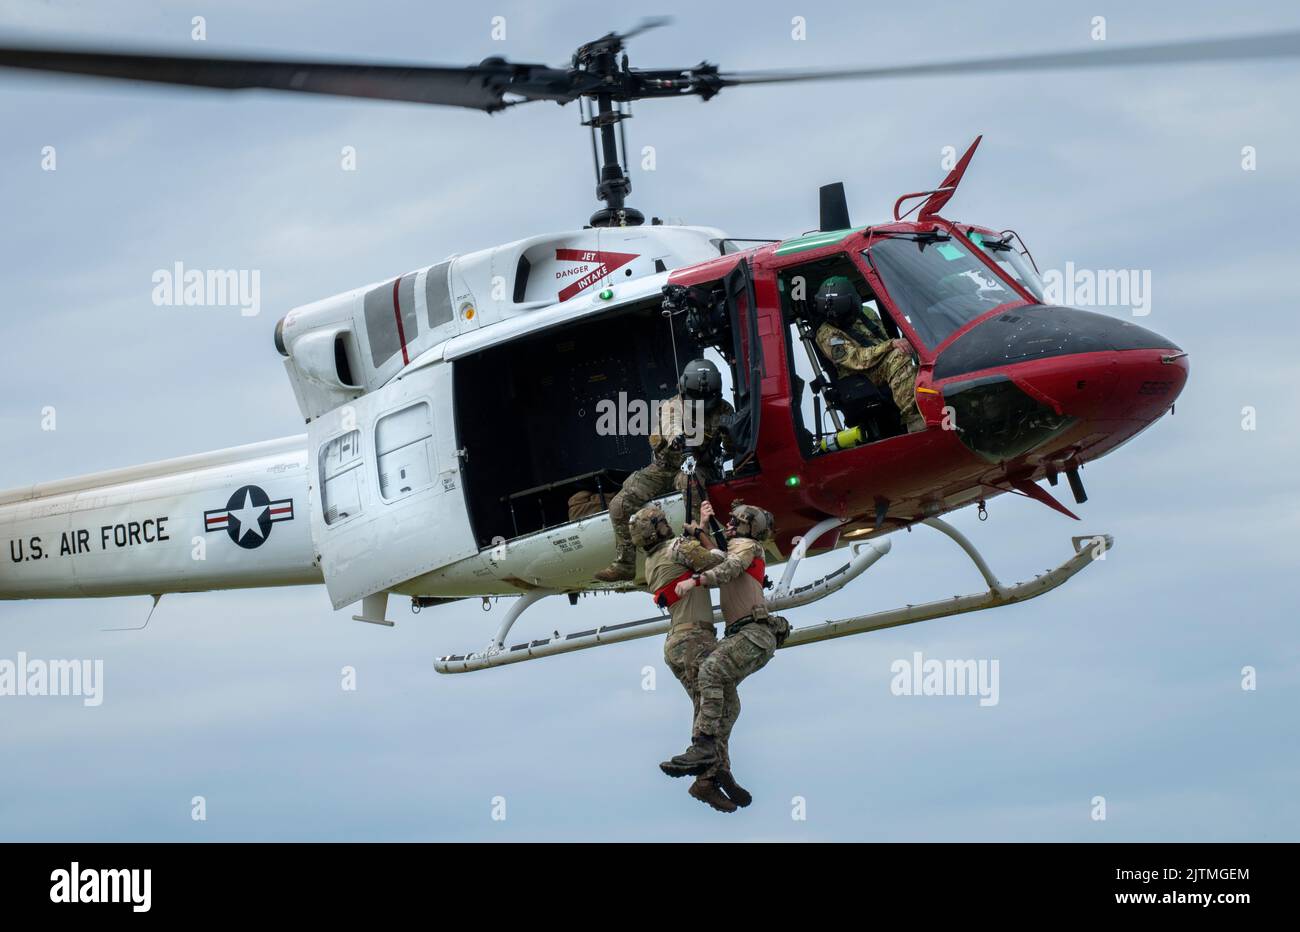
(1086, 549)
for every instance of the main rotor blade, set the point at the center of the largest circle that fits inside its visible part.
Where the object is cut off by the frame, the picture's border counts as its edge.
(1243, 48)
(645, 25)
(478, 87)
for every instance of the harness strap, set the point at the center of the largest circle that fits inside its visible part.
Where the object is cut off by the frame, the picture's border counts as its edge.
(667, 596)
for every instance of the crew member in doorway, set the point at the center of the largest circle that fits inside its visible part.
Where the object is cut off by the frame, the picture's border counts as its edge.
(750, 639)
(855, 341)
(679, 434)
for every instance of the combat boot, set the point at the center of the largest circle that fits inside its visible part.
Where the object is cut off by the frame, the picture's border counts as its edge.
(699, 757)
(735, 792)
(706, 791)
(617, 572)
(623, 569)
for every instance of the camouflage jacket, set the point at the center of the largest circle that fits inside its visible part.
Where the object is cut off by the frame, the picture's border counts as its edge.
(710, 442)
(670, 560)
(857, 349)
(739, 593)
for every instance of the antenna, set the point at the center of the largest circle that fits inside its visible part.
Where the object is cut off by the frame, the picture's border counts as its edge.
(834, 212)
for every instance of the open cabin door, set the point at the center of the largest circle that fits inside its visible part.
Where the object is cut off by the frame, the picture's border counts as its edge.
(386, 491)
(748, 353)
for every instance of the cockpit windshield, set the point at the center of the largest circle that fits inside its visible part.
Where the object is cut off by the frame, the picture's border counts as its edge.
(937, 283)
(1011, 260)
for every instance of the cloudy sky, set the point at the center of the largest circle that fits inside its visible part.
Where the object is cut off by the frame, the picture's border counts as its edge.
(1125, 684)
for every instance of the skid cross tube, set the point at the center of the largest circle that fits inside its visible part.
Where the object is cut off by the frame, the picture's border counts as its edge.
(964, 542)
(801, 550)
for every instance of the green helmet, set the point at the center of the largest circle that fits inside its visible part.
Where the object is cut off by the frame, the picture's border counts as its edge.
(837, 283)
(648, 526)
(837, 301)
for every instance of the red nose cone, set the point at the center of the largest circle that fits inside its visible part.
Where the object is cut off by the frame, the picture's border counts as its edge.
(1117, 386)
(1048, 383)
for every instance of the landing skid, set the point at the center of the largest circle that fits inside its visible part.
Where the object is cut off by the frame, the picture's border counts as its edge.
(786, 596)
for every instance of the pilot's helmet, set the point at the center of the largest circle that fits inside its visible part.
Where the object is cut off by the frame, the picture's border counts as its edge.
(837, 301)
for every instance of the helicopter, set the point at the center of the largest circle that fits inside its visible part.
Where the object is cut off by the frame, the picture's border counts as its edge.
(405, 483)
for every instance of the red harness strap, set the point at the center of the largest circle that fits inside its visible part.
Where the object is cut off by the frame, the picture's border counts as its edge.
(667, 596)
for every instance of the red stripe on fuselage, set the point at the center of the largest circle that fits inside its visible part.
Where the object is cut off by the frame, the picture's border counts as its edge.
(397, 312)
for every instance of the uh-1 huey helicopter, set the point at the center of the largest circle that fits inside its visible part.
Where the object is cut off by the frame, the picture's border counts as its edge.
(405, 485)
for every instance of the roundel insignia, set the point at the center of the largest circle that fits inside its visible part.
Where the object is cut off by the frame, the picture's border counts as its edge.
(248, 516)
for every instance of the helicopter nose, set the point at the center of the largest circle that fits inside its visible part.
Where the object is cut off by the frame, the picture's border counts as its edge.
(1040, 332)
(1037, 373)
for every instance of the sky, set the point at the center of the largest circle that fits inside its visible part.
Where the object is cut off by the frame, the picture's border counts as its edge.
(1126, 684)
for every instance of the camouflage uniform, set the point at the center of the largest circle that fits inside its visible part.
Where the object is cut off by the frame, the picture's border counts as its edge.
(865, 348)
(692, 636)
(664, 473)
(741, 653)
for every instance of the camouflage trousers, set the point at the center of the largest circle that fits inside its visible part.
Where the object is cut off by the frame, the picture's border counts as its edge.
(736, 657)
(684, 651)
(897, 372)
(639, 488)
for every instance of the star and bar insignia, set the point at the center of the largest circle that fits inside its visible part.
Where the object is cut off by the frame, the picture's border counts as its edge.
(248, 516)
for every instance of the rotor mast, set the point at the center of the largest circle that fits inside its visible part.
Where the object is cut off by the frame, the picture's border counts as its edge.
(599, 59)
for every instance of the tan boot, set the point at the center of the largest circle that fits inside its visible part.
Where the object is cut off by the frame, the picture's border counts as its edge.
(623, 569)
(617, 572)
(706, 791)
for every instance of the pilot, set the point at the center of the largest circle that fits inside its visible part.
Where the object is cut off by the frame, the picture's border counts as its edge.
(751, 638)
(852, 337)
(678, 434)
(691, 635)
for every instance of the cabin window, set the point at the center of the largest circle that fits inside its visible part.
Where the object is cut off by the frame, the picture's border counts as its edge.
(437, 294)
(404, 451)
(340, 477)
(390, 319)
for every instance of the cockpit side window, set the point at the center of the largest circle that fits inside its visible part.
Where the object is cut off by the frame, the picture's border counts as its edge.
(1012, 259)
